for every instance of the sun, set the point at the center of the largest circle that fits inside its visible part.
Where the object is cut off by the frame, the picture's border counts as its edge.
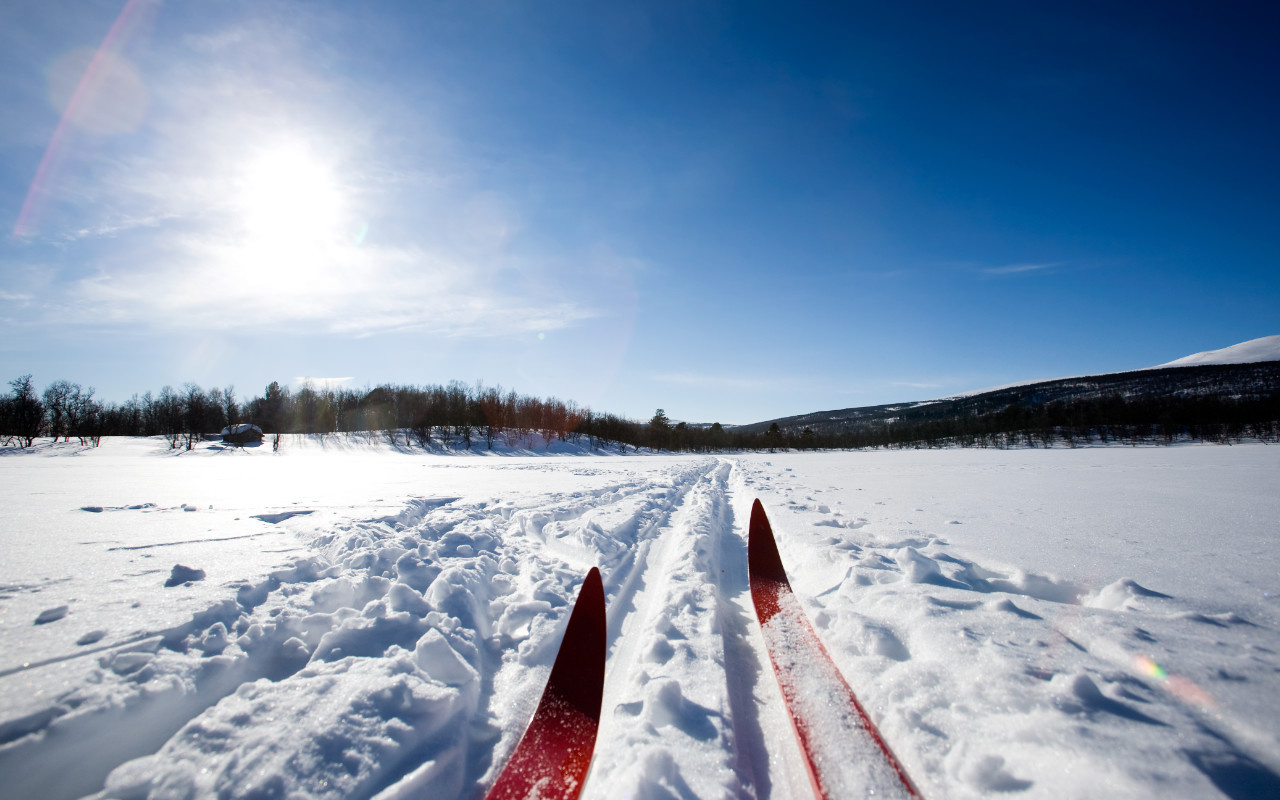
(289, 196)
(291, 214)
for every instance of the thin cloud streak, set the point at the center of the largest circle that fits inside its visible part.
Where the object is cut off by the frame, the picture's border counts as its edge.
(716, 382)
(1020, 269)
(916, 385)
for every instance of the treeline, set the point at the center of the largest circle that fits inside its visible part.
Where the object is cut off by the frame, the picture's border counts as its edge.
(461, 415)
(184, 416)
(456, 414)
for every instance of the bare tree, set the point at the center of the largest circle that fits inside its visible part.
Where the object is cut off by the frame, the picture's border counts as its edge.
(26, 417)
(230, 409)
(84, 416)
(57, 402)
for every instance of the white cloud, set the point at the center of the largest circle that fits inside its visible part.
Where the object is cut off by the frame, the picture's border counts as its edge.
(322, 383)
(206, 283)
(199, 226)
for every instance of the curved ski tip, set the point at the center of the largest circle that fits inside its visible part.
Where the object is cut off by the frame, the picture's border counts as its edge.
(593, 587)
(759, 520)
(763, 560)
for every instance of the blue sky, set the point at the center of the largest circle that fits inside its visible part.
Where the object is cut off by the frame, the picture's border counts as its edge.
(734, 211)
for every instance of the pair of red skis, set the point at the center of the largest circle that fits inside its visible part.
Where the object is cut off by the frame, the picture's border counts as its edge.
(553, 756)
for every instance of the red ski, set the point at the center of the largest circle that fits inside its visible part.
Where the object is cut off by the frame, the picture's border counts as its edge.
(552, 758)
(843, 750)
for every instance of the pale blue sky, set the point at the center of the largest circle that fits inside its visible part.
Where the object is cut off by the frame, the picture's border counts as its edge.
(734, 211)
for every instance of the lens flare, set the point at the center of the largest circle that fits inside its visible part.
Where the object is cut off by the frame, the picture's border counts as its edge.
(1147, 667)
(80, 108)
(1175, 685)
(110, 97)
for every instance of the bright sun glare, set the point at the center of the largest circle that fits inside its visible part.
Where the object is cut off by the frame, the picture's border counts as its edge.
(290, 195)
(292, 210)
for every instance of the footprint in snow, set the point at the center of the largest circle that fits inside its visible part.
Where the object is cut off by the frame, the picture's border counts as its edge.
(180, 575)
(51, 615)
(92, 637)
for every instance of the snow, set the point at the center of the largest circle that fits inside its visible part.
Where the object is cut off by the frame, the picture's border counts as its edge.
(1266, 348)
(374, 620)
(847, 758)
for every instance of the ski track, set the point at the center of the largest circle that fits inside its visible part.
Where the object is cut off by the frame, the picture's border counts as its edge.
(669, 682)
(402, 655)
(408, 626)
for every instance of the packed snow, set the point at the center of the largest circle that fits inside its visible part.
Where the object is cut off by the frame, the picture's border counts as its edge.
(349, 618)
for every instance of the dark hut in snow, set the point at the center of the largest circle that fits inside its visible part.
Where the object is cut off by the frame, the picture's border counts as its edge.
(244, 433)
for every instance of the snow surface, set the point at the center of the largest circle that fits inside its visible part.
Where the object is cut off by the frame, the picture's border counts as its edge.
(1266, 348)
(352, 618)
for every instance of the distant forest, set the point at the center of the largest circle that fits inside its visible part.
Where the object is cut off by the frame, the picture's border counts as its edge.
(458, 416)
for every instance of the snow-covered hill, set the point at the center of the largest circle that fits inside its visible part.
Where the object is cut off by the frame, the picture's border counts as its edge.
(362, 621)
(1244, 371)
(1266, 348)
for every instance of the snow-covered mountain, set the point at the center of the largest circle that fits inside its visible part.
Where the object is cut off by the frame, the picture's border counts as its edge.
(1249, 371)
(1266, 348)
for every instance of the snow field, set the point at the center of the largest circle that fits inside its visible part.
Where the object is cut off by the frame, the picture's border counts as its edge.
(1081, 681)
(379, 622)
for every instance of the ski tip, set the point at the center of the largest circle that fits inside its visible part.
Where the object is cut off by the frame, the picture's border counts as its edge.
(763, 559)
(578, 672)
(591, 597)
(553, 756)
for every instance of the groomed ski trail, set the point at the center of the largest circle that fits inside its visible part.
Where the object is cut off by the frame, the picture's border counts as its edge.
(667, 663)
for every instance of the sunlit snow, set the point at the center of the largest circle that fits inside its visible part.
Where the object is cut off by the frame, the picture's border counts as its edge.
(345, 618)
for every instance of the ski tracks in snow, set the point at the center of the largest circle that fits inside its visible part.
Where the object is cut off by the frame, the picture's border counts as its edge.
(406, 653)
(403, 655)
(678, 707)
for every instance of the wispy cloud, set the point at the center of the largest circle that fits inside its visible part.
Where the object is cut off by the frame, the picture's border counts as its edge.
(322, 383)
(178, 233)
(1020, 269)
(917, 384)
(704, 381)
(114, 227)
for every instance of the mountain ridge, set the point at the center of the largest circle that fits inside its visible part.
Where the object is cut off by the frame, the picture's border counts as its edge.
(1246, 371)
